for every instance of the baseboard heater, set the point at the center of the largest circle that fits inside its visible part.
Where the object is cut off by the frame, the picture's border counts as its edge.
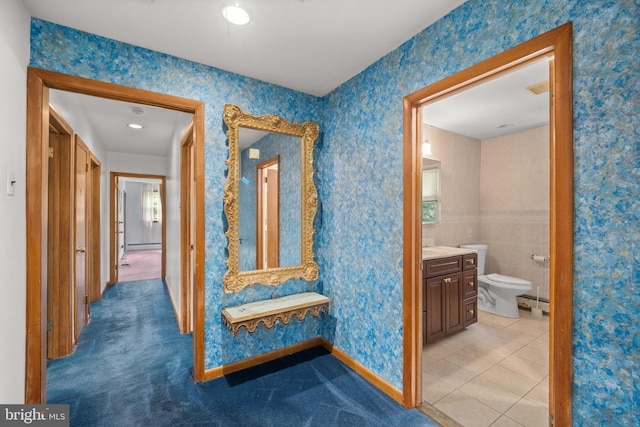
(534, 298)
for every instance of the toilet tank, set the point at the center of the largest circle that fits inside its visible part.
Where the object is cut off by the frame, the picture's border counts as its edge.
(481, 248)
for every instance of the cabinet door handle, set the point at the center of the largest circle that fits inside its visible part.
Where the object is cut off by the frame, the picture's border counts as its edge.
(447, 280)
(81, 249)
(471, 284)
(470, 312)
(470, 261)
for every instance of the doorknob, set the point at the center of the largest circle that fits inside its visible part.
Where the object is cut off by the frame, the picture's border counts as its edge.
(81, 249)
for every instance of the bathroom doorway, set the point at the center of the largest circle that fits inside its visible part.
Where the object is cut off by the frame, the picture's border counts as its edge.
(491, 143)
(556, 45)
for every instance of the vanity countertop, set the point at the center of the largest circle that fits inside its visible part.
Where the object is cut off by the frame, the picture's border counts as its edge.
(433, 252)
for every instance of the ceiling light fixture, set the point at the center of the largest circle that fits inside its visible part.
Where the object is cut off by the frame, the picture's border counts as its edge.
(236, 15)
(135, 126)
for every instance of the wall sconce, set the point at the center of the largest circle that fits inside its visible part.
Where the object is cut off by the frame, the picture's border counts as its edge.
(426, 148)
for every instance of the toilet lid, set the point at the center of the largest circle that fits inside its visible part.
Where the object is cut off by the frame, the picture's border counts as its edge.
(507, 279)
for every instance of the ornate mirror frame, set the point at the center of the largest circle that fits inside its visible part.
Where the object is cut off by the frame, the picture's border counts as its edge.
(235, 280)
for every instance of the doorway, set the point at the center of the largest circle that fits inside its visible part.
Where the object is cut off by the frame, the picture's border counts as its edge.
(137, 227)
(555, 43)
(39, 82)
(268, 213)
(494, 161)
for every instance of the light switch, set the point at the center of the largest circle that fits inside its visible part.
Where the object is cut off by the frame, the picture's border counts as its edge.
(11, 181)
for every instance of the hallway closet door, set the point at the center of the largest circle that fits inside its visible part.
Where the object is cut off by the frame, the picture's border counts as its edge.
(81, 299)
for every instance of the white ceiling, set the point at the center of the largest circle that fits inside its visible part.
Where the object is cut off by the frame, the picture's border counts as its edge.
(311, 46)
(108, 120)
(497, 107)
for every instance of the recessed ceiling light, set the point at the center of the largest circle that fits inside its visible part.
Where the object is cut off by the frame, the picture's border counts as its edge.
(236, 15)
(135, 126)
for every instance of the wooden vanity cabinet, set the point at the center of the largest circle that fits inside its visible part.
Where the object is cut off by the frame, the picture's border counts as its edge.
(449, 295)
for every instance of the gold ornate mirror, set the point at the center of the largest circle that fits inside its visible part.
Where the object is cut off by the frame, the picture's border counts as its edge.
(270, 200)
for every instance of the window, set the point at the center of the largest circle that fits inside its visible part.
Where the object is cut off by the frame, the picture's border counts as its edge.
(155, 206)
(431, 194)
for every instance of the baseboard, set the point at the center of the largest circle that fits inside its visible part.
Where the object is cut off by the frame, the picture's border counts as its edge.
(363, 371)
(213, 373)
(175, 308)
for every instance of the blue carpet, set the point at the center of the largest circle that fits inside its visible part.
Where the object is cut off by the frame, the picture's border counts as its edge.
(133, 368)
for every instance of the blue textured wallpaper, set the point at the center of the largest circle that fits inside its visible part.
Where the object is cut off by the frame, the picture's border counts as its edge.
(359, 179)
(74, 52)
(360, 185)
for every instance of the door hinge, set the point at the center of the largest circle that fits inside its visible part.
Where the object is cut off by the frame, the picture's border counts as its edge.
(551, 420)
(49, 325)
(115, 267)
(86, 299)
(51, 152)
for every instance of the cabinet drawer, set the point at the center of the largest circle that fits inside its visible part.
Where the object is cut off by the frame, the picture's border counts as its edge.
(469, 284)
(469, 261)
(440, 266)
(470, 311)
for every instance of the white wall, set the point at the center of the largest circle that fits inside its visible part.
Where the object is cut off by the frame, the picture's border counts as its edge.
(172, 219)
(138, 233)
(14, 57)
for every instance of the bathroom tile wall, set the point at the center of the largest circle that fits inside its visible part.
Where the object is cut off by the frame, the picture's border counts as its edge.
(514, 205)
(460, 188)
(495, 191)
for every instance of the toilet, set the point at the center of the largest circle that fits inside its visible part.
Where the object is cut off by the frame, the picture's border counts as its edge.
(496, 292)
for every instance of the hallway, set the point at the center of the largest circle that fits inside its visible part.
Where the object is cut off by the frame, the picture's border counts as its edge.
(140, 265)
(133, 368)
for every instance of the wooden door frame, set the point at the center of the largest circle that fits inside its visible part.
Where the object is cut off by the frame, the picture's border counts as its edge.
(186, 278)
(95, 247)
(113, 219)
(260, 174)
(38, 84)
(558, 44)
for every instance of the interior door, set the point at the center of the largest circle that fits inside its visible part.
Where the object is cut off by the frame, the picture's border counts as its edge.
(60, 253)
(192, 234)
(81, 300)
(268, 214)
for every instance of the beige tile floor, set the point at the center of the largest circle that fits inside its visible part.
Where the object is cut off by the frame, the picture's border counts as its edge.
(494, 373)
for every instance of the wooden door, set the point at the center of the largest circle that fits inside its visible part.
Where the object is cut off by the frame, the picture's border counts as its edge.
(268, 214)
(93, 211)
(60, 239)
(81, 300)
(187, 229)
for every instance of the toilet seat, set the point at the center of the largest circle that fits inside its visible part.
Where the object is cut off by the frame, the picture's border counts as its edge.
(506, 282)
(501, 278)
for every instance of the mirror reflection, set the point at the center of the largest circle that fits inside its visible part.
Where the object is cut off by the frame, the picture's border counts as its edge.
(270, 200)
